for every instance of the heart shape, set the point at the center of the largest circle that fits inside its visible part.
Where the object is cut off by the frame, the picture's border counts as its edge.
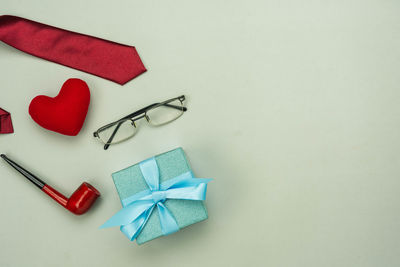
(65, 113)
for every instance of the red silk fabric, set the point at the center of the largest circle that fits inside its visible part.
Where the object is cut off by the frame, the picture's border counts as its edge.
(116, 62)
(5, 122)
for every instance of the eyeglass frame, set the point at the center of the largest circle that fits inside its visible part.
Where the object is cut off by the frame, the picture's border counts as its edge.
(135, 116)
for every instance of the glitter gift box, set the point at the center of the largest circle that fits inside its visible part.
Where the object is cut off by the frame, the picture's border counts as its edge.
(172, 164)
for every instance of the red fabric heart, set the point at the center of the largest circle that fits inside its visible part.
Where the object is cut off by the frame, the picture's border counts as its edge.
(64, 113)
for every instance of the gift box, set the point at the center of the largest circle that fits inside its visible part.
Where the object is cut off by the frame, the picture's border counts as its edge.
(165, 183)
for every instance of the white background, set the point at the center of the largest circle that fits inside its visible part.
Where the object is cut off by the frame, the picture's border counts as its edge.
(293, 109)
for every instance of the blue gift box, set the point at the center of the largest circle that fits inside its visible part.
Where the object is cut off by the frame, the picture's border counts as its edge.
(131, 182)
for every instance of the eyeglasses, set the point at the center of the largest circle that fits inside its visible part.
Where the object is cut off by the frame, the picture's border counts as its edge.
(156, 114)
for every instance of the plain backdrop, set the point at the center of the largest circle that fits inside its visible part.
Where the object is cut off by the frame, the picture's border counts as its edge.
(293, 109)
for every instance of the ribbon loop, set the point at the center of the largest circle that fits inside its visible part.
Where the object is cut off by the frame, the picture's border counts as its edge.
(138, 208)
(149, 169)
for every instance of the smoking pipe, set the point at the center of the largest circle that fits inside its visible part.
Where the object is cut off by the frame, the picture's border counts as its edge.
(78, 203)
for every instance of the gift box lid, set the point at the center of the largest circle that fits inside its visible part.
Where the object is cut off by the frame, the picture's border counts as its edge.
(171, 164)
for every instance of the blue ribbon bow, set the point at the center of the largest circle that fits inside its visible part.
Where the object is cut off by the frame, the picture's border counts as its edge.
(138, 208)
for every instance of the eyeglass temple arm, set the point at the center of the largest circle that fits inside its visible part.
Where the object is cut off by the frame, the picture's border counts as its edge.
(143, 110)
(176, 107)
(112, 136)
(140, 111)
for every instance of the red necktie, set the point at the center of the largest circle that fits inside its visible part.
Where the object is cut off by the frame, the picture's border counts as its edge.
(116, 62)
